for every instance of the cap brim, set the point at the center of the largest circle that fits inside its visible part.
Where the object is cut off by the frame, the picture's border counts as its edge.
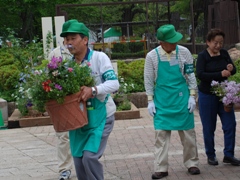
(175, 38)
(64, 34)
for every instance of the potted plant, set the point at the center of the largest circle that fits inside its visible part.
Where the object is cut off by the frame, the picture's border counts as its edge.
(53, 86)
(228, 91)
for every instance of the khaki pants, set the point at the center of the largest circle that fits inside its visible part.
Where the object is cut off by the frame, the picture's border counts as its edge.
(65, 160)
(190, 154)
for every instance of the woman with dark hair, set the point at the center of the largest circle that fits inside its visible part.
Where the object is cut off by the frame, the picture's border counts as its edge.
(214, 63)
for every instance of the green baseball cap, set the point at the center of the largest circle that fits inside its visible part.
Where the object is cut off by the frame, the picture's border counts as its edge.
(73, 26)
(167, 33)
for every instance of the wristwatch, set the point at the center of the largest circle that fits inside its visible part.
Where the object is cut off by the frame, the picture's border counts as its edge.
(94, 92)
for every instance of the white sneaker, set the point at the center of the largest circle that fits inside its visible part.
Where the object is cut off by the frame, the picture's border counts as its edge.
(65, 175)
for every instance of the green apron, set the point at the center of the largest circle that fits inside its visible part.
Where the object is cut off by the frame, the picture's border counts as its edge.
(171, 96)
(89, 136)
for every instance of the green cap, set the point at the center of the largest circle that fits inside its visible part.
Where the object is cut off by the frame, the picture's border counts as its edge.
(73, 26)
(167, 33)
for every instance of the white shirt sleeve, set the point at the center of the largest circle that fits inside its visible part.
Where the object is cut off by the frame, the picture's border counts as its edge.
(101, 65)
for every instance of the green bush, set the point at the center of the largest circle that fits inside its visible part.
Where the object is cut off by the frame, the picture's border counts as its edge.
(136, 47)
(140, 54)
(13, 62)
(236, 77)
(133, 74)
(128, 50)
(120, 48)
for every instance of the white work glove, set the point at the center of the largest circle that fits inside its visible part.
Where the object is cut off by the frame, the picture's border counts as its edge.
(151, 108)
(191, 104)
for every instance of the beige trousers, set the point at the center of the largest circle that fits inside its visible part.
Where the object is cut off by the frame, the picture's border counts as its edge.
(65, 160)
(190, 154)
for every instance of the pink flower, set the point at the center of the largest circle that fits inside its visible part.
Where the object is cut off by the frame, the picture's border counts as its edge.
(70, 69)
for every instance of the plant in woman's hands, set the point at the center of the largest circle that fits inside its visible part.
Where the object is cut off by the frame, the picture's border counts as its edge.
(228, 91)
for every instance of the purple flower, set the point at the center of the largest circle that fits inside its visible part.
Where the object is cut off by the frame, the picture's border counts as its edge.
(214, 83)
(228, 91)
(57, 86)
(55, 61)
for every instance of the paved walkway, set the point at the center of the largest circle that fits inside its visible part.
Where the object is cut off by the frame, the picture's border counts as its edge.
(30, 153)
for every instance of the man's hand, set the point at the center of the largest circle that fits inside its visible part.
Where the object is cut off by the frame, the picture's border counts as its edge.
(85, 93)
(151, 108)
(191, 104)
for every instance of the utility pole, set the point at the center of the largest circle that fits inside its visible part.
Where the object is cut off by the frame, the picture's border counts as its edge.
(193, 29)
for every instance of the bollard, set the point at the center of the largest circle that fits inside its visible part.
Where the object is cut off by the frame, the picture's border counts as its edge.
(2, 126)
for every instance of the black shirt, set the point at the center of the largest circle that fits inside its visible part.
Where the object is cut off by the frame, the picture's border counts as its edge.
(209, 68)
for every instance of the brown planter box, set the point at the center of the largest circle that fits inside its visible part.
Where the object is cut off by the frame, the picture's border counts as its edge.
(15, 120)
(139, 99)
(134, 113)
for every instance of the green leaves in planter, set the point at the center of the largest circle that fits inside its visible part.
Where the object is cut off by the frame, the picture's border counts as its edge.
(124, 105)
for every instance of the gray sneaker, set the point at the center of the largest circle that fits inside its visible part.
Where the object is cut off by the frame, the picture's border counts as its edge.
(65, 175)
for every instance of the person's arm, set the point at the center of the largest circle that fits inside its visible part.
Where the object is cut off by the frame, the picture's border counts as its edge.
(149, 82)
(190, 77)
(234, 70)
(149, 77)
(110, 82)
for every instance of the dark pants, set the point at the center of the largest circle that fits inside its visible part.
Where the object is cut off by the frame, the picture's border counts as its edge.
(88, 166)
(209, 108)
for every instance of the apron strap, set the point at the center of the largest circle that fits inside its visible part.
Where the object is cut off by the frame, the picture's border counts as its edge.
(157, 54)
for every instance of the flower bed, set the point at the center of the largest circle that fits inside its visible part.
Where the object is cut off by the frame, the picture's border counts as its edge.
(16, 120)
(133, 113)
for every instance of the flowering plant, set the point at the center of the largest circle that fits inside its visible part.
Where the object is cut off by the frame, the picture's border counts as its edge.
(120, 97)
(53, 81)
(228, 91)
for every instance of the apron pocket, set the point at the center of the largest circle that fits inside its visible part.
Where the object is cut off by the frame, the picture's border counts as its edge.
(93, 120)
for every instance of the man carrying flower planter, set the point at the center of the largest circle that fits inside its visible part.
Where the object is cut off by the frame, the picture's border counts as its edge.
(170, 84)
(89, 142)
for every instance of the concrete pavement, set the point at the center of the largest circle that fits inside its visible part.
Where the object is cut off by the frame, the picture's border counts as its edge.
(30, 153)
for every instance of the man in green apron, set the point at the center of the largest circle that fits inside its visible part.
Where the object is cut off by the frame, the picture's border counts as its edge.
(170, 85)
(89, 142)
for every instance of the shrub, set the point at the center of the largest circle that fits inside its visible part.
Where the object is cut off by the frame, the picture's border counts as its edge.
(236, 77)
(13, 61)
(132, 73)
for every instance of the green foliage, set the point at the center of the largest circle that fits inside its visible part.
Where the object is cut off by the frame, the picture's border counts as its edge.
(120, 48)
(133, 47)
(24, 16)
(14, 61)
(124, 105)
(236, 77)
(48, 41)
(140, 54)
(133, 74)
(9, 76)
(6, 57)
(128, 50)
